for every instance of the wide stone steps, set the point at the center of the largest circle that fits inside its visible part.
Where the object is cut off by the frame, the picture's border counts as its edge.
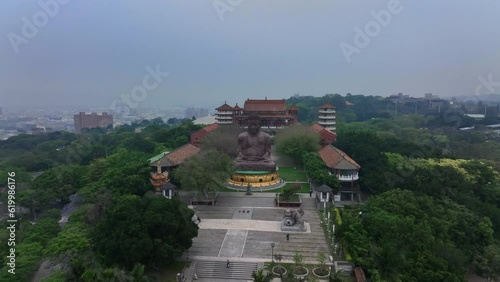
(245, 202)
(218, 270)
(309, 203)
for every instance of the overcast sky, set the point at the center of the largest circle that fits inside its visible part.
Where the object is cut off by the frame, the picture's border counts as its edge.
(92, 52)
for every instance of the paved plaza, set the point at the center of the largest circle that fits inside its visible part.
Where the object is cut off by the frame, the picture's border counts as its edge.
(242, 228)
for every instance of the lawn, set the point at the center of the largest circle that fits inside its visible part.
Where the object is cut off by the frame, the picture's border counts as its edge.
(291, 174)
(293, 199)
(305, 188)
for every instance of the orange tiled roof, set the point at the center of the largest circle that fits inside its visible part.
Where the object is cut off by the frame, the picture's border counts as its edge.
(293, 108)
(327, 106)
(264, 105)
(237, 108)
(179, 155)
(317, 128)
(224, 107)
(210, 127)
(336, 158)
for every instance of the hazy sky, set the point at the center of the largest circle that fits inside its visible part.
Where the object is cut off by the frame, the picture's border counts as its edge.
(92, 52)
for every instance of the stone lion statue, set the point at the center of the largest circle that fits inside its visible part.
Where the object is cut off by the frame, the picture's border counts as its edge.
(292, 217)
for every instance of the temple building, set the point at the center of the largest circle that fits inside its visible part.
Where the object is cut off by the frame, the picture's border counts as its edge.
(225, 114)
(197, 137)
(327, 137)
(326, 117)
(167, 161)
(273, 113)
(345, 168)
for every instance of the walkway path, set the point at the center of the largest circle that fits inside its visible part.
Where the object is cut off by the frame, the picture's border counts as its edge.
(241, 228)
(246, 224)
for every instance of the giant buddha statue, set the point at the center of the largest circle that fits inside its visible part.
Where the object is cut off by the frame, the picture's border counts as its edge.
(254, 149)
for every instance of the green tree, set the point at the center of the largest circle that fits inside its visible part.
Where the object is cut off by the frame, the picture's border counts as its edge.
(297, 140)
(224, 139)
(205, 173)
(145, 230)
(382, 239)
(261, 276)
(318, 172)
(487, 264)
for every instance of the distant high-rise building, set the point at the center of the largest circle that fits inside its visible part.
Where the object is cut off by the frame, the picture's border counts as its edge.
(195, 112)
(93, 120)
(1, 111)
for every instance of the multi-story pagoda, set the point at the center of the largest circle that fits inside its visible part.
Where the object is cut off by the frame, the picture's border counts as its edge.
(326, 117)
(159, 179)
(224, 114)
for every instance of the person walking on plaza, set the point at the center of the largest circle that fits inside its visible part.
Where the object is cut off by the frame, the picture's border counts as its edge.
(227, 264)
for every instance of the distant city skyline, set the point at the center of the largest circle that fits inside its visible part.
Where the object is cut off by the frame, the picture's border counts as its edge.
(96, 54)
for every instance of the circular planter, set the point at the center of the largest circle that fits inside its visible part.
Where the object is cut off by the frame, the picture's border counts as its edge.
(276, 271)
(321, 276)
(302, 272)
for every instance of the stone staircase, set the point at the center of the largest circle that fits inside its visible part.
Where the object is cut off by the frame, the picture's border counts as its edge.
(309, 203)
(248, 201)
(217, 270)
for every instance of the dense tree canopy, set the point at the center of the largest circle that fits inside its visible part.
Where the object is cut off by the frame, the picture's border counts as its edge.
(205, 173)
(146, 230)
(297, 140)
(224, 139)
(402, 236)
(318, 172)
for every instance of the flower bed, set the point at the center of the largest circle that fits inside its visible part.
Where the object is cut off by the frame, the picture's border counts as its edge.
(300, 271)
(321, 272)
(279, 270)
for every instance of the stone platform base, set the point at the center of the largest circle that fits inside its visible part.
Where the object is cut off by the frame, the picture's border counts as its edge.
(293, 228)
(256, 178)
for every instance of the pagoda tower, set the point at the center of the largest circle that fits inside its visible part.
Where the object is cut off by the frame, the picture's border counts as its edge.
(326, 117)
(158, 179)
(224, 114)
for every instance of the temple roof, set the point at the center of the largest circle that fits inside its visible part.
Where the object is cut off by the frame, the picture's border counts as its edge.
(336, 158)
(327, 106)
(267, 116)
(210, 127)
(324, 188)
(168, 186)
(157, 157)
(178, 156)
(318, 128)
(237, 108)
(293, 108)
(225, 107)
(265, 105)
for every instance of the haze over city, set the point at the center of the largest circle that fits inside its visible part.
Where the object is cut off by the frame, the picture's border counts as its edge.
(89, 53)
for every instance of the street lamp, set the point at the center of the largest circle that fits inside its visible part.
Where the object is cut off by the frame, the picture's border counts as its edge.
(272, 252)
